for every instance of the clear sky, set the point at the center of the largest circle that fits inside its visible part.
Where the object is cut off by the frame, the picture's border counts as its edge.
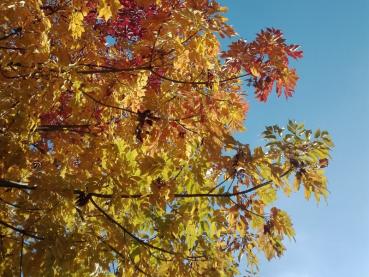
(333, 93)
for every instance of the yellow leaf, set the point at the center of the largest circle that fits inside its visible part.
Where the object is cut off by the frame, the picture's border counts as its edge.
(76, 25)
(104, 159)
(136, 259)
(142, 80)
(63, 171)
(254, 72)
(307, 193)
(105, 12)
(119, 142)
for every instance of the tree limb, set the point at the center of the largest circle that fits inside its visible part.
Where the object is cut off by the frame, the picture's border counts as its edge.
(22, 231)
(135, 238)
(10, 184)
(138, 196)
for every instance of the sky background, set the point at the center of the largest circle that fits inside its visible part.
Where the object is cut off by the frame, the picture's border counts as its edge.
(333, 94)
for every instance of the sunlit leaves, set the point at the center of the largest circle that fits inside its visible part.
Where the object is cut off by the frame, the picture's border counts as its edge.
(307, 155)
(266, 61)
(116, 141)
(76, 24)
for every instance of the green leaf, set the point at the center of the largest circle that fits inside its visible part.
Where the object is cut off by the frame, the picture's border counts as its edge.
(317, 133)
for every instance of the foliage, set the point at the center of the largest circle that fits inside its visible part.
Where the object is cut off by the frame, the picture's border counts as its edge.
(117, 155)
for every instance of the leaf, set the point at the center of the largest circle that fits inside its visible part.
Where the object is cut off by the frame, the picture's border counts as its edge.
(76, 25)
(317, 133)
(117, 141)
(121, 146)
(105, 11)
(323, 163)
(255, 72)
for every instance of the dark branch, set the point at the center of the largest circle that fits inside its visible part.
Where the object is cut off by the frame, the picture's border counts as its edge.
(112, 248)
(13, 32)
(47, 128)
(197, 82)
(179, 81)
(3, 183)
(22, 231)
(137, 239)
(29, 209)
(194, 195)
(109, 69)
(221, 183)
(10, 184)
(21, 259)
(107, 105)
(12, 48)
(235, 193)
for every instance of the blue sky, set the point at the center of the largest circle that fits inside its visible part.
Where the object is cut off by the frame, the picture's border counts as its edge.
(333, 93)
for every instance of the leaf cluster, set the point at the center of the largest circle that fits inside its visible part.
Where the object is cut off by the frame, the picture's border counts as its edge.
(116, 141)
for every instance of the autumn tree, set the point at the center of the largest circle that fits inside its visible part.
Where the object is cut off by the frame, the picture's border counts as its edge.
(116, 146)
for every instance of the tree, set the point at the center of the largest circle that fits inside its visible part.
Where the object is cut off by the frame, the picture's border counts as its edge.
(116, 143)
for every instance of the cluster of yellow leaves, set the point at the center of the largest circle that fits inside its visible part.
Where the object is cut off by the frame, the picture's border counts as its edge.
(114, 153)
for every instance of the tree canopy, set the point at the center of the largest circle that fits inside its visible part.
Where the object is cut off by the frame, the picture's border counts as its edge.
(116, 140)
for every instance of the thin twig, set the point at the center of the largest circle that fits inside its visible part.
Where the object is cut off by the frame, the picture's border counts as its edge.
(107, 69)
(12, 48)
(107, 105)
(21, 258)
(246, 210)
(20, 207)
(218, 185)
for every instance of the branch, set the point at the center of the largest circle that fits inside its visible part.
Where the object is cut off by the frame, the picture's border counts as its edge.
(107, 105)
(179, 81)
(154, 45)
(22, 231)
(197, 82)
(233, 78)
(10, 184)
(13, 32)
(12, 48)
(136, 266)
(32, 209)
(195, 195)
(47, 128)
(247, 210)
(21, 259)
(109, 69)
(235, 193)
(137, 239)
(112, 248)
(52, 8)
(218, 185)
